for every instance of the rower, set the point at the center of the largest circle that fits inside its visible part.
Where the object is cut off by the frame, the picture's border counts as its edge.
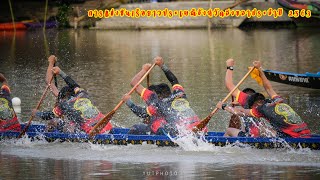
(175, 109)
(281, 116)
(250, 126)
(74, 103)
(8, 118)
(153, 124)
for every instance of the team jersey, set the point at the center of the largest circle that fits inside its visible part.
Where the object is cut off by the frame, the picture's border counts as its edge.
(242, 98)
(8, 118)
(154, 122)
(282, 117)
(250, 123)
(175, 109)
(80, 109)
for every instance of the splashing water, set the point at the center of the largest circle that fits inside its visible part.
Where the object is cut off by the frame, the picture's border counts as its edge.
(191, 149)
(190, 141)
(25, 141)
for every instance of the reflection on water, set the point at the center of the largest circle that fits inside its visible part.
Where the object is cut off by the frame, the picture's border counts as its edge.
(66, 169)
(103, 62)
(85, 161)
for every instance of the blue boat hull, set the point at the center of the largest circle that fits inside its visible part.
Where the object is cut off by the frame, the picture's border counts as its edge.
(119, 136)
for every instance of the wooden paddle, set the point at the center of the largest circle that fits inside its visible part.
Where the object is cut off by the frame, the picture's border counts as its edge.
(148, 80)
(55, 76)
(38, 106)
(205, 121)
(101, 124)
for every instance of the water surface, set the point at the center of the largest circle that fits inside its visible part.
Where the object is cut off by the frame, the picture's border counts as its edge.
(104, 62)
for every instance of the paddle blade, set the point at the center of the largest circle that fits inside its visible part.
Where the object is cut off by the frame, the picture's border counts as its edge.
(202, 124)
(26, 127)
(24, 130)
(101, 124)
(255, 74)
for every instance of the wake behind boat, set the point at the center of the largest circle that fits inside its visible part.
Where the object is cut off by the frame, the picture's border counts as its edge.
(119, 136)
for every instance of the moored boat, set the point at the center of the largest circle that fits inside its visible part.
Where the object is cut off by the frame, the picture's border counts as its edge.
(27, 25)
(10, 26)
(302, 17)
(119, 136)
(37, 25)
(308, 80)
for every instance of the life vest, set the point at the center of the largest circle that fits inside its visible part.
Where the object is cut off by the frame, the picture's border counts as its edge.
(90, 114)
(10, 125)
(86, 114)
(186, 116)
(156, 124)
(285, 119)
(89, 124)
(8, 118)
(298, 130)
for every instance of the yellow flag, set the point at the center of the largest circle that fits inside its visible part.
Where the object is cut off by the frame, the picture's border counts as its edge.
(255, 74)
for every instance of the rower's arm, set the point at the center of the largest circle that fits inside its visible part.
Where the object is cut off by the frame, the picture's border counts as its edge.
(137, 78)
(243, 112)
(3, 80)
(240, 111)
(137, 110)
(70, 82)
(266, 83)
(229, 78)
(170, 76)
(53, 88)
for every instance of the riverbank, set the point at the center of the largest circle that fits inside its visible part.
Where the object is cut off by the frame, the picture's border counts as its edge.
(181, 20)
(75, 15)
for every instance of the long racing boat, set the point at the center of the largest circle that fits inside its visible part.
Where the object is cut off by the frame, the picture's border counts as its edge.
(120, 136)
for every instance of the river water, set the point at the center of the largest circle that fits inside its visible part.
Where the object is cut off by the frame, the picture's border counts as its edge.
(103, 62)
